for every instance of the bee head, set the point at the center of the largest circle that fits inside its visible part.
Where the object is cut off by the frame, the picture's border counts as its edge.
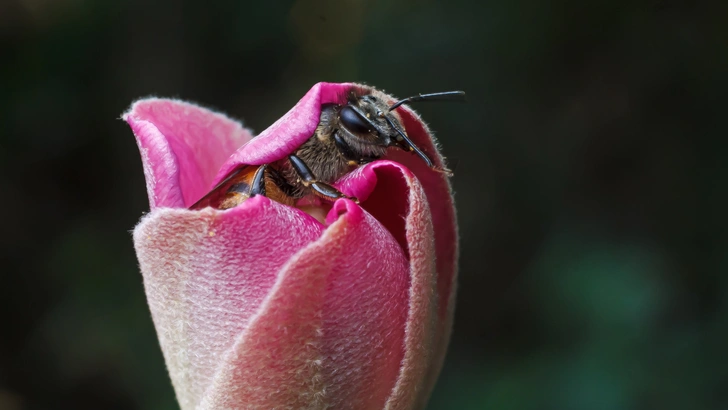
(372, 119)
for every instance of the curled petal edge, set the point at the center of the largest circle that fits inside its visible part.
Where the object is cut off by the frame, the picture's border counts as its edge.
(182, 146)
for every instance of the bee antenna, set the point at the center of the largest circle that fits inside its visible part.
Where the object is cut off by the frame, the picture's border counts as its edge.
(412, 147)
(443, 96)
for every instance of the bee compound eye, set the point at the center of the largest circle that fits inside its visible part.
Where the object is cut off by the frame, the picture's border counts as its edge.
(353, 121)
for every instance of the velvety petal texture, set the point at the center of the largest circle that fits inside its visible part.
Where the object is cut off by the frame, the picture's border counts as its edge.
(264, 307)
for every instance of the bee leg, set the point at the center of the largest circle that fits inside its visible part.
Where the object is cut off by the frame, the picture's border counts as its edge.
(309, 180)
(258, 185)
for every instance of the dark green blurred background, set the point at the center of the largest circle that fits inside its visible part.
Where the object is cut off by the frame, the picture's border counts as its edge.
(591, 179)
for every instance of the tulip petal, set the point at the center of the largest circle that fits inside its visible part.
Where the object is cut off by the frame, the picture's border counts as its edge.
(330, 334)
(289, 132)
(442, 207)
(206, 273)
(397, 199)
(182, 146)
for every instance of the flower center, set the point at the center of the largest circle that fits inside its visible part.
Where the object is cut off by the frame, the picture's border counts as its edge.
(317, 211)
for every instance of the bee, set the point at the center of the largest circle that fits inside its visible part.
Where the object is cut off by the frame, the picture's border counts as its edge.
(347, 136)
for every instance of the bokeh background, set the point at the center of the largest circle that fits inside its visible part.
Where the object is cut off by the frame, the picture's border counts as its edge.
(591, 175)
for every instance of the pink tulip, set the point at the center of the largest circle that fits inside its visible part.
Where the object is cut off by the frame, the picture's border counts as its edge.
(263, 306)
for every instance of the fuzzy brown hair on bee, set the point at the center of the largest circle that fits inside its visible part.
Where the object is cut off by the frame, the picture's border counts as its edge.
(347, 136)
